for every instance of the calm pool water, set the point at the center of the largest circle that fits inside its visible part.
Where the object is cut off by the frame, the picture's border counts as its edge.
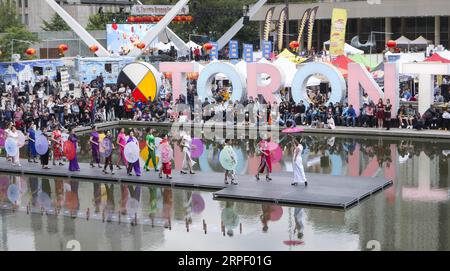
(413, 214)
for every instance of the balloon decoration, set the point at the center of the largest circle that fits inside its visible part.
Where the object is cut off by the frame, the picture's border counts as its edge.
(69, 150)
(294, 45)
(41, 145)
(63, 48)
(192, 75)
(11, 147)
(168, 75)
(207, 46)
(141, 45)
(131, 152)
(21, 139)
(156, 19)
(391, 44)
(30, 51)
(198, 148)
(93, 48)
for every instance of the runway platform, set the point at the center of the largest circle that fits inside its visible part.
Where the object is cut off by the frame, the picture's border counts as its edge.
(339, 192)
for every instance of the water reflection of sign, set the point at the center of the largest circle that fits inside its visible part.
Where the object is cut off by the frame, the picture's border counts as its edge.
(156, 10)
(248, 53)
(234, 49)
(214, 52)
(266, 49)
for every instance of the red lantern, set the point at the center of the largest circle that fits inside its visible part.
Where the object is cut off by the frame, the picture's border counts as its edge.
(178, 19)
(30, 51)
(63, 48)
(391, 44)
(141, 45)
(207, 46)
(114, 26)
(168, 75)
(131, 19)
(183, 19)
(190, 19)
(93, 48)
(192, 76)
(294, 44)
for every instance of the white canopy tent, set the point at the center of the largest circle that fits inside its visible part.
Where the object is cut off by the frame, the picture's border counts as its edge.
(403, 42)
(348, 49)
(192, 45)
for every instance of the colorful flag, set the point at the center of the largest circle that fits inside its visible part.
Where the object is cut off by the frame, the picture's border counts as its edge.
(233, 49)
(214, 52)
(338, 27)
(248, 53)
(266, 49)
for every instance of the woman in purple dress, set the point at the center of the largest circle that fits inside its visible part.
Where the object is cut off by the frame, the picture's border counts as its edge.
(95, 146)
(73, 164)
(136, 165)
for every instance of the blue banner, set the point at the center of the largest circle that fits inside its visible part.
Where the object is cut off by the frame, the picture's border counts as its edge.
(267, 49)
(233, 48)
(248, 53)
(214, 53)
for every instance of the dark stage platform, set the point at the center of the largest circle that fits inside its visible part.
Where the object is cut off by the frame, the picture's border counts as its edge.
(338, 192)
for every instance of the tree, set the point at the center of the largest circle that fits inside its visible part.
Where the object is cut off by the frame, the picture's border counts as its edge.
(16, 33)
(99, 21)
(8, 15)
(56, 23)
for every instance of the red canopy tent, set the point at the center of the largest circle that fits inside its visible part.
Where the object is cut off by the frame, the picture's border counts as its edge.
(437, 58)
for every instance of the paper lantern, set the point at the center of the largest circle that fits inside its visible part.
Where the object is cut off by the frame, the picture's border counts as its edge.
(139, 19)
(168, 75)
(183, 19)
(391, 44)
(207, 46)
(30, 51)
(93, 48)
(294, 44)
(114, 26)
(141, 45)
(190, 19)
(192, 76)
(63, 48)
(131, 19)
(178, 19)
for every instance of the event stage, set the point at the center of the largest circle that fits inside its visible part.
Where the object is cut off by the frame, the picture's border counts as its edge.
(338, 192)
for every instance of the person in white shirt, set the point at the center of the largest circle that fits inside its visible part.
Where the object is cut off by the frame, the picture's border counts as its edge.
(330, 122)
(446, 119)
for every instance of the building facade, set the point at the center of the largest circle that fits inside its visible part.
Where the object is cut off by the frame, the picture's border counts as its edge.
(33, 12)
(412, 18)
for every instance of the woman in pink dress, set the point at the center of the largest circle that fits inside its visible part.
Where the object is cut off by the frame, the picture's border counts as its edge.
(121, 141)
(266, 160)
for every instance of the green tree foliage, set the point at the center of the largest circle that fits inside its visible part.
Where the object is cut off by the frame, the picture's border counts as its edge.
(16, 33)
(213, 18)
(99, 21)
(8, 15)
(56, 23)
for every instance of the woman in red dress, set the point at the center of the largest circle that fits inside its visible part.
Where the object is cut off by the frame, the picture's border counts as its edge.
(57, 146)
(266, 159)
(380, 113)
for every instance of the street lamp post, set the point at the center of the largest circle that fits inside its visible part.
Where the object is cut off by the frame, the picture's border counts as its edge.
(371, 39)
(193, 35)
(12, 45)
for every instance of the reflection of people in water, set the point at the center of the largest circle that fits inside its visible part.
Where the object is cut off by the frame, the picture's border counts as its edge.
(299, 227)
(188, 206)
(229, 217)
(265, 217)
(110, 202)
(167, 205)
(153, 201)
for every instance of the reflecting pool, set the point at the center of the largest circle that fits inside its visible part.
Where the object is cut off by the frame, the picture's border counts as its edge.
(46, 213)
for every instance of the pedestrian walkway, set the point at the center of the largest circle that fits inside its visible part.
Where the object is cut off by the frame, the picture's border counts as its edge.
(338, 192)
